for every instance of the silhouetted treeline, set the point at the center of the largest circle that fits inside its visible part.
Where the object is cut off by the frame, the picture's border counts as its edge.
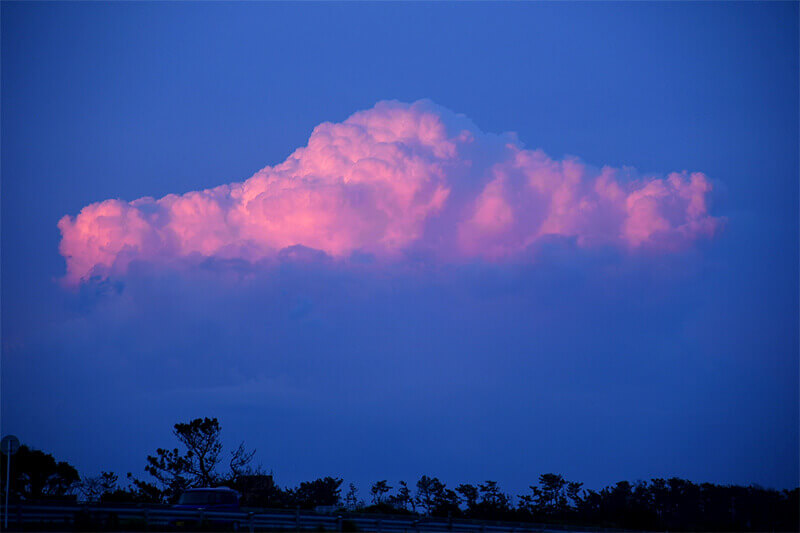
(657, 505)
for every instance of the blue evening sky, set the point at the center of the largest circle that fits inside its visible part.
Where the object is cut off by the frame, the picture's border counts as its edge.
(591, 365)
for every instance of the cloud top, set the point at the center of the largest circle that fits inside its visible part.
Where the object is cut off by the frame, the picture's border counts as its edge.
(388, 181)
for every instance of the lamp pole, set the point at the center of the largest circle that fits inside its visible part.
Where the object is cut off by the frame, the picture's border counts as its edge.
(8, 483)
(9, 444)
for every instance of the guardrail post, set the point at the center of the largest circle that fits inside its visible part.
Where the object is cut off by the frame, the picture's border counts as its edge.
(146, 519)
(86, 514)
(297, 519)
(202, 517)
(251, 522)
(378, 524)
(338, 522)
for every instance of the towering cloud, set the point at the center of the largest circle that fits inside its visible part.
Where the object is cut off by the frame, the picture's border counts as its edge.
(391, 180)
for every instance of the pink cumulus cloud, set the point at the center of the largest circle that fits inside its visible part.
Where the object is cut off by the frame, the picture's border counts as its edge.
(388, 180)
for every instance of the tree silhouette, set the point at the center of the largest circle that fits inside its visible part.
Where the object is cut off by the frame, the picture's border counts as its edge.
(551, 497)
(320, 492)
(574, 494)
(378, 490)
(239, 463)
(403, 498)
(657, 505)
(36, 475)
(428, 491)
(351, 498)
(94, 488)
(469, 493)
(493, 504)
(196, 465)
(201, 437)
(447, 503)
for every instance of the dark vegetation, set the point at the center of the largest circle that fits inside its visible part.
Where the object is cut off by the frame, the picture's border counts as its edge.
(658, 505)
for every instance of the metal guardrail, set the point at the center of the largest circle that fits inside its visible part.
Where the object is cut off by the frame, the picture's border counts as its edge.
(72, 517)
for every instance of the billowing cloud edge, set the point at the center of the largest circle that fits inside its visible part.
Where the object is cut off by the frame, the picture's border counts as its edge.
(389, 181)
